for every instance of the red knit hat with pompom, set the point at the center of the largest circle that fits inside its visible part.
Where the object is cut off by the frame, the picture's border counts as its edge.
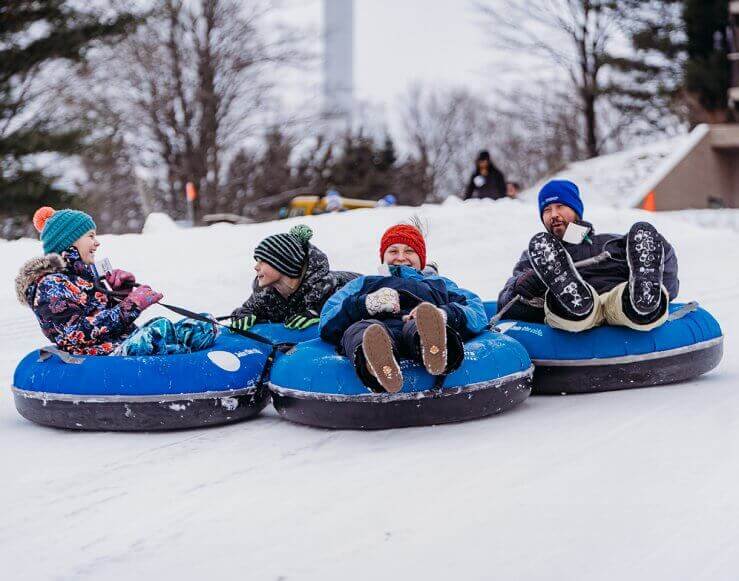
(404, 234)
(40, 217)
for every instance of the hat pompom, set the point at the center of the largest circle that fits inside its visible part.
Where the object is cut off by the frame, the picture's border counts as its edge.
(41, 216)
(302, 233)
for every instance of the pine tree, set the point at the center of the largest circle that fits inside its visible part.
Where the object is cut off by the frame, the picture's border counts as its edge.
(707, 71)
(679, 69)
(27, 129)
(651, 76)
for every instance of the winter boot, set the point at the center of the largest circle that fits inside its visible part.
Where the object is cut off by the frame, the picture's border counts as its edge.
(646, 256)
(556, 270)
(431, 325)
(378, 353)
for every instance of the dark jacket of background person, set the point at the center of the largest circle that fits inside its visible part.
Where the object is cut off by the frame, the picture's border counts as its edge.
(602, 277)
(494, 186)
(491, 186)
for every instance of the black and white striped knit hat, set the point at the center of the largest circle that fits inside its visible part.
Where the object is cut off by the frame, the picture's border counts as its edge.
(286, 252)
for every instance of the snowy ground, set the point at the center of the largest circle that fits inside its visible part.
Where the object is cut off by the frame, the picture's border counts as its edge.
(629, 485)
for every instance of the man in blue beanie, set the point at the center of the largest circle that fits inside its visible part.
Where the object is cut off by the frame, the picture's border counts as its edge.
(630, 286)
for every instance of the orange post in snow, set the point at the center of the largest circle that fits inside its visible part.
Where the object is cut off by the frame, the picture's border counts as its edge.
(191, 192)
(649, 204)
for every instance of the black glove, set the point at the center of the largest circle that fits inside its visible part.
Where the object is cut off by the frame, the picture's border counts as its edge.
(530, 286)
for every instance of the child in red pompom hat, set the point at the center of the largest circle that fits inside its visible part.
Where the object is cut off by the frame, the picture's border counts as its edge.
(400, 243)
(406, 311)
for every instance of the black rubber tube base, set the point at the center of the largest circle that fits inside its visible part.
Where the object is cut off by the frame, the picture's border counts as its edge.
(141, 416)
(401, 410)
(565, 380)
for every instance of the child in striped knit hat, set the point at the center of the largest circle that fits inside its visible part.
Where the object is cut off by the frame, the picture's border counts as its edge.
(406, 311)
(293, 282)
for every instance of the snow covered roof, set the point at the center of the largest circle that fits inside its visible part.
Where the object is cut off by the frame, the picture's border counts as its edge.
(623, 179)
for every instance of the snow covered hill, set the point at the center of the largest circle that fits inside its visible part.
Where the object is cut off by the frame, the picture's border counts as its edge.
(628, 485)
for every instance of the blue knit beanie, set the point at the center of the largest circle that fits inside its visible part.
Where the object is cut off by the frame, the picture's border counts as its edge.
(561, 192)
(60, 229)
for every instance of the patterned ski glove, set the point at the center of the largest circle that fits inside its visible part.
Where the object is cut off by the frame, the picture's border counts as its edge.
(300, 322)
(243, 323)
(119, 279)
(144, 296)
(385, 300)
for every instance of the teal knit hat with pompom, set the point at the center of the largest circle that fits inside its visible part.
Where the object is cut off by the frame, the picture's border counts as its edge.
(287, 253)
(60, 229)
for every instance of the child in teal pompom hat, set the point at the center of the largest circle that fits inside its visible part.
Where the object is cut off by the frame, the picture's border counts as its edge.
(61, 229)
(77, 313)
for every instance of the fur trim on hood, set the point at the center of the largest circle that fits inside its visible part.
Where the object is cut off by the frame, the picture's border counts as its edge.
(33, 270)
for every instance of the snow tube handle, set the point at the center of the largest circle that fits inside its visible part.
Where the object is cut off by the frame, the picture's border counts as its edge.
(684, 310)
(46, 352)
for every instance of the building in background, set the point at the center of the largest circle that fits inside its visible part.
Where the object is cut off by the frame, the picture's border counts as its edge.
(697, 170)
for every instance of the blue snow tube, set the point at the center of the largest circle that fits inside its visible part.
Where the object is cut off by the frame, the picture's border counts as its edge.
(278, 333)
(609, 358)
(311, 384)
(215, 386)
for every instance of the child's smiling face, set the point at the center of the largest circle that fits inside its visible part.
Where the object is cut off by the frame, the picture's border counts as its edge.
(86, 245)
(401, 255)
(266, 274)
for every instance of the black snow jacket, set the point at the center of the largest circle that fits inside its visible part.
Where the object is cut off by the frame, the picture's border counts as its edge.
(491, 186)
(602, 277)
(317, 285)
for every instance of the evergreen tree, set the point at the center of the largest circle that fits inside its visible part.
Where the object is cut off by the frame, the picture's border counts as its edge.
(651, 77)
(363, 169)
(34, 33)
(679, 68)
(273, 173)
(707, 71)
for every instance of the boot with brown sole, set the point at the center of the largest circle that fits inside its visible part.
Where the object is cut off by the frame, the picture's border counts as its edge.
(432, 331)
(378, 353)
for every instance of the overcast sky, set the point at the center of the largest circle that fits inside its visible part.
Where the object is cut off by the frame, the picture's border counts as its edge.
(398, 42)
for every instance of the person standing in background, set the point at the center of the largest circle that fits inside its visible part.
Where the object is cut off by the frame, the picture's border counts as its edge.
(487, 181)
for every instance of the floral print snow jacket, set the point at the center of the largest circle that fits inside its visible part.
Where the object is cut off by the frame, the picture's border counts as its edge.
(81, 320)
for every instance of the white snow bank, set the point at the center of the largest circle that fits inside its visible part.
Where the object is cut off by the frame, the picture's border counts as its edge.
(157, 223)
(630, 485)
(725, 218)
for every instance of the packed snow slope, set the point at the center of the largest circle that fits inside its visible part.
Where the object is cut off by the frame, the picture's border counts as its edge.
(638, 484)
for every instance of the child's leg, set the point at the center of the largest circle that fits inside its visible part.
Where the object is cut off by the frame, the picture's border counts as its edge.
(431, 324)
(414, 342)
(156, 337)
(196, 335)
(371, 347)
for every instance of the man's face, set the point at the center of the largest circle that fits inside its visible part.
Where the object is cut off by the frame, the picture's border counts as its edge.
(556, 217)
